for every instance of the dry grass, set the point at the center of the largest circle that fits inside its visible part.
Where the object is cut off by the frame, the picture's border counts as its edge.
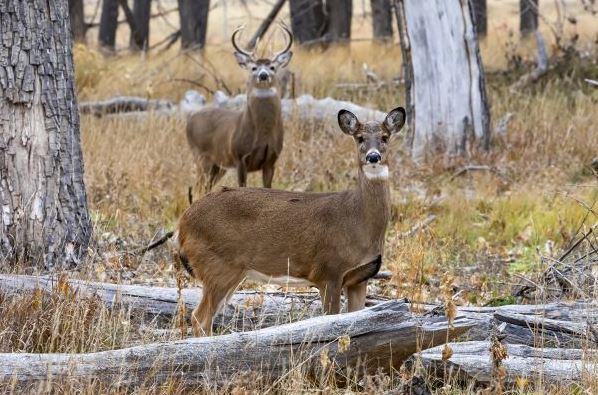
(487, 227)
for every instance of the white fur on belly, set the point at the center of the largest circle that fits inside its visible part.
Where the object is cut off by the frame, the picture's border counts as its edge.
(278, 280)
(375, 171)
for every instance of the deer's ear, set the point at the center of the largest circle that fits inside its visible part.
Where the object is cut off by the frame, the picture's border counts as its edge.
(348, 122)
(242, 59)
(283, 59)
(395, 120)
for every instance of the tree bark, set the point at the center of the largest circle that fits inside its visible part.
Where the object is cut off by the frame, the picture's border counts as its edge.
(447, 106)
(77, 18)
(108, 24)
(194, 22)
(528, 16)
(307, 21)
(139, 40)
(45, 221)
(471, 361)
(382, 19)
(339, 15)
(381, 337)
(480, 13)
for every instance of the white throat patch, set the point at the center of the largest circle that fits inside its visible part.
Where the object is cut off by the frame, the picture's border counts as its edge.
(374, 171)
(263, 92)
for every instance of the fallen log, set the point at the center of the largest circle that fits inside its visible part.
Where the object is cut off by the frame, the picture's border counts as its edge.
(570, 325)
(380, 337)
(246, 310)
(305, 108)
(472, 361)
(125, 104)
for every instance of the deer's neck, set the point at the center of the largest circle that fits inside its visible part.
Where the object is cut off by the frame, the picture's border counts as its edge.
(263, 109)
(373, 197)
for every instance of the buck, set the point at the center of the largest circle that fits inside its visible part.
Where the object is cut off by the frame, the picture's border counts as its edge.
(247, 140)
(332, 241)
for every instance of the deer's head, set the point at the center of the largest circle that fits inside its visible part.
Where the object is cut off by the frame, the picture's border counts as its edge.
(262, 72)
(372, 140)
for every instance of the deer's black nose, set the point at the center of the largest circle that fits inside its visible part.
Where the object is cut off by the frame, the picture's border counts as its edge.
(263, 76)
(373, 157)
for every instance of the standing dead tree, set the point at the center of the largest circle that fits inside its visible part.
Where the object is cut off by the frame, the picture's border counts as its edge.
(446, 93)
(45, 220)
(194, 22)
(77, 16)
(108, 24)
(480, 13)
(382, 19)
(141, 14)
(316, 22)
(528, 16)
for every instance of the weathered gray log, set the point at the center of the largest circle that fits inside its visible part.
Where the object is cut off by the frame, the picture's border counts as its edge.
(565, 325)
(379, 337)
(124, 104)
(246, 310)
(472, 361)
(447, 106)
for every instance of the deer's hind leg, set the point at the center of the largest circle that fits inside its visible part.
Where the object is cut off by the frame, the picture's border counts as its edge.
(218, 286)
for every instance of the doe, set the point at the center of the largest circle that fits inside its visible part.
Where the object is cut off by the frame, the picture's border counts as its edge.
(332, 241)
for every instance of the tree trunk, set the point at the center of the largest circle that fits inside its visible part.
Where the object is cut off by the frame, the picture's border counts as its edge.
(77, 17)
(108, 24)
(139, 39)
(45, 221)
(382, 19)
(194, 22)
(339, 14)
(528, 16)
(480, 14)
(447, 107)
(307, 21)
(381, 337)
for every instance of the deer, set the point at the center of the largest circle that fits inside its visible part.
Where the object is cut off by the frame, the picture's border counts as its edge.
(333, 241)
(250, 139)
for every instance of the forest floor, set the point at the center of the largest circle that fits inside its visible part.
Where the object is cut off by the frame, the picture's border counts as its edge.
(493, 231)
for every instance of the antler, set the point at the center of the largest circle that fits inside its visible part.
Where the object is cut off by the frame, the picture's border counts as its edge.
(290, 42)
(241, 51)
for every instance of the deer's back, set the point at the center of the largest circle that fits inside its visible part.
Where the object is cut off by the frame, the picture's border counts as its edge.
(265, 228)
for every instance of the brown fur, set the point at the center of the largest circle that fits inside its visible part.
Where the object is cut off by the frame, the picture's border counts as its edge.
(332, 240)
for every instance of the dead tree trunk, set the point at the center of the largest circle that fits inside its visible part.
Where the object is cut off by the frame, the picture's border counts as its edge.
(108, 24)
(194, 22)
(139, 40)
(339, 15)
(45, 221)
(382, 19)
(480, 13)
(528, 16)
(77, 17)
(307, 21)
(381, 337)
(447, 107)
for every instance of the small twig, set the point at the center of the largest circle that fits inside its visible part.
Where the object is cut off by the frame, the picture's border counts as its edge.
(198, 84)
(591, 82)
(574, 246)
(469, 168)
(415, 228)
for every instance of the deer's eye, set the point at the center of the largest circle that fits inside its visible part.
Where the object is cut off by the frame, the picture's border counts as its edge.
(385, 139)
(253, 68)
(360, 139)
(272, 68)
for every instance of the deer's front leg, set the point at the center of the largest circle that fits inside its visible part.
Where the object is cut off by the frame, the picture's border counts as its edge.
(268, 175)
(242, 173)
(330, 294)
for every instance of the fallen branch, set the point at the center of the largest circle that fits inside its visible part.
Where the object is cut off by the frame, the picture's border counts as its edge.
(123, 104)
(265, 24)
(420, 225)
(381, 337)
(470, 168)
(472, 361)
(541, 67)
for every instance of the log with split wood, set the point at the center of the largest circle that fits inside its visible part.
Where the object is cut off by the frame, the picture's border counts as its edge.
(471, 361)
(380, 337)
